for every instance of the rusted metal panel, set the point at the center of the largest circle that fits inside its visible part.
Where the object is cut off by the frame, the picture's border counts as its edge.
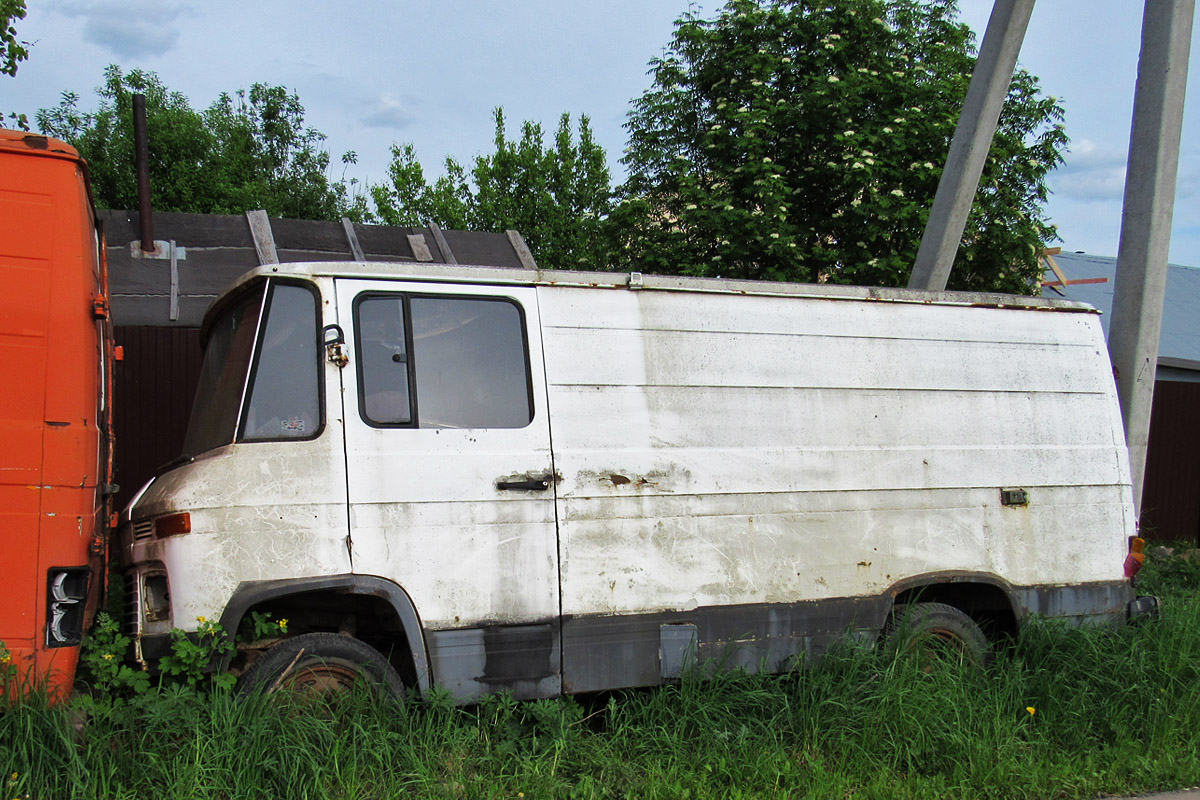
(1171, 503)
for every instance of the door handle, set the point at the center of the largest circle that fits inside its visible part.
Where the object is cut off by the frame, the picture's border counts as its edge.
(528, 484)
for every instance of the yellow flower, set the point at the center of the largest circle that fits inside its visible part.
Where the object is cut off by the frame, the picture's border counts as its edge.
(5, 658)
(1031, 710)
(283, 625)
(108, 656)
(202, 620)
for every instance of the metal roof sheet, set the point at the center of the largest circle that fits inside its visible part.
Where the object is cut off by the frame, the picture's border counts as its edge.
(1180, 338)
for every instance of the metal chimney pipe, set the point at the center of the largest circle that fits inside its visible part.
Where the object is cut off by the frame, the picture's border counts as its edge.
(141, 147)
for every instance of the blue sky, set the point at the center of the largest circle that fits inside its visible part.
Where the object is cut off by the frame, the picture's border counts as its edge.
(430, 72)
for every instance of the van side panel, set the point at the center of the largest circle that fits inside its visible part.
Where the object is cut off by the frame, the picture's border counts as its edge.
(720, 450)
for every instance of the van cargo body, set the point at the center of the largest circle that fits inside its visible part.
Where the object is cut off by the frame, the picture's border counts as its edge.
(55, 416)
(549, 482)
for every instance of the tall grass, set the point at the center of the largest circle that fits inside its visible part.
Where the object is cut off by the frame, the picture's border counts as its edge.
(1062, 713)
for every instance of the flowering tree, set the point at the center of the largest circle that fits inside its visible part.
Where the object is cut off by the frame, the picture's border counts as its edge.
(803, 140)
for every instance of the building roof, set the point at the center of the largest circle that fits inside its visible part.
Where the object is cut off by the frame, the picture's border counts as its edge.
(1091, 279)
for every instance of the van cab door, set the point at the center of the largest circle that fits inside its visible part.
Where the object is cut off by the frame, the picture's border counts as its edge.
(450, 475)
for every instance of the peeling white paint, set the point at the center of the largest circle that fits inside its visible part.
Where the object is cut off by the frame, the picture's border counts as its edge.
(712, 449)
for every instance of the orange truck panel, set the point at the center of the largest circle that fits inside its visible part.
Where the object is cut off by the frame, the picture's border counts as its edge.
(54, 462)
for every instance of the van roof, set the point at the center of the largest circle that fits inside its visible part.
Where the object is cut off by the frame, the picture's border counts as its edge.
(506, 276)
(37, 144)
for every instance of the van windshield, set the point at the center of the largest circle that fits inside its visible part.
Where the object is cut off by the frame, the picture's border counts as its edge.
(223, 375)
(283, 401)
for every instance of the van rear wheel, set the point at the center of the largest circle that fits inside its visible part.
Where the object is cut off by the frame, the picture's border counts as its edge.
(322, 664)
(936, 631)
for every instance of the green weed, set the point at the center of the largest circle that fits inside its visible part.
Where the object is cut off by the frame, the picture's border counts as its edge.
(1062, 712)
(103, 663)
(8, 670)
(192, 655)
(259, 626)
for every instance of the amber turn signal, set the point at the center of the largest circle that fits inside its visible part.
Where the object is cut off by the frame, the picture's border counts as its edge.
(1136, 557)
(172, 525)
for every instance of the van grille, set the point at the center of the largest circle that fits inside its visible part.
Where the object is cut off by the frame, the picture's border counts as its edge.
(142, 529)
(129, 624)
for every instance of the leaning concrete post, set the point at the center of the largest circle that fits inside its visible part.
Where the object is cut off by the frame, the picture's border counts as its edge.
(1146, 218)
(972, 139)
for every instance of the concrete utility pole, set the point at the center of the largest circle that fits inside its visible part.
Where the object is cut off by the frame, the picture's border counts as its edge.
(1146, 218)
(972, 138)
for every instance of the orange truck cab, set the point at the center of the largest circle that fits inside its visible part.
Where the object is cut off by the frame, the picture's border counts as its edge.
(55, 417)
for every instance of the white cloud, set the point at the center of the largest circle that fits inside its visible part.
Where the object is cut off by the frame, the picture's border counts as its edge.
(128, 29)
(1091, 172)
(389, 112)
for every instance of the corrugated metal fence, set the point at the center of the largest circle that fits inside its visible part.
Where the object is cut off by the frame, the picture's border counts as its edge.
(153, 396)
(1171, 497)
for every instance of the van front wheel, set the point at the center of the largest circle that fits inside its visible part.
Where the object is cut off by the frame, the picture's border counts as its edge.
(928, 631)
(321, 664)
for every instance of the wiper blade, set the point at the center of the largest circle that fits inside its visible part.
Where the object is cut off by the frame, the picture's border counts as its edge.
(178, 461)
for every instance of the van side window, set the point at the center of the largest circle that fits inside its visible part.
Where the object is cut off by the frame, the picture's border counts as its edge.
(443, 362)
(383, 361)
(284, 398)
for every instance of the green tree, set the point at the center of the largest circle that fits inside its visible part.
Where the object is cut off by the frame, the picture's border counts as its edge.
(246, 151)
(408, 200)
(802, 140)
(12, 50)
(265, 157)
(556, 196)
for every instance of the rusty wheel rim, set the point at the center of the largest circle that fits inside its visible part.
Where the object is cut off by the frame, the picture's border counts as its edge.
(322, 679)
(940, 644)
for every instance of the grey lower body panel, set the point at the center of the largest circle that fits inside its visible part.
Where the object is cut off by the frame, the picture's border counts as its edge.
(587, 653)
(1082, 603)
(601, 652)
(610, 652)
(521, 659)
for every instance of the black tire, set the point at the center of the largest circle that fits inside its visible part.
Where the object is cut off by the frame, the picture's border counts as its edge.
(935, 630)
(321, 664)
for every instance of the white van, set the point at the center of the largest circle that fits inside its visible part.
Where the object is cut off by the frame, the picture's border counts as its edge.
(544, 482)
